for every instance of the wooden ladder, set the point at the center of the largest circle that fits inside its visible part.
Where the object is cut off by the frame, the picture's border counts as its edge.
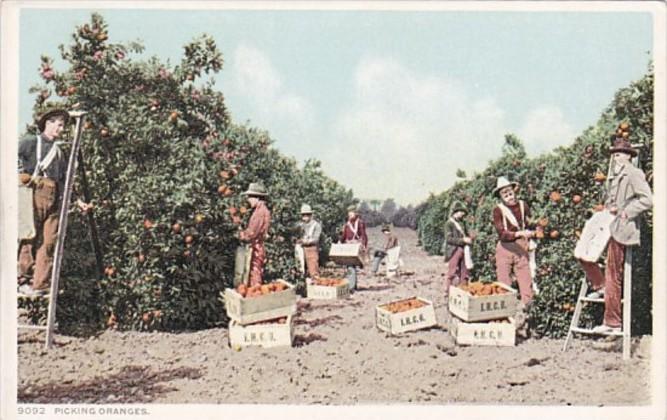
(52, 296)
(626, 302)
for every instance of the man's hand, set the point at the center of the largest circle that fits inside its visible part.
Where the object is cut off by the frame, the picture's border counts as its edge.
(24, 178)
(613, 210)
(84, 207)
(467, 240)
(624, 215)
(524, 234)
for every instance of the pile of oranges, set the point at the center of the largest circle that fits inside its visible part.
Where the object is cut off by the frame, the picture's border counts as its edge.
(478, 288)
(331, 282)
(403, 305)
(264, 289)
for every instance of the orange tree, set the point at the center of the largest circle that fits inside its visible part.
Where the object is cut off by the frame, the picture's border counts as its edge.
(166, 169)
(563, 189)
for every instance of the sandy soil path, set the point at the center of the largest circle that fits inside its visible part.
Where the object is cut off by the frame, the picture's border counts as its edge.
(339, 358)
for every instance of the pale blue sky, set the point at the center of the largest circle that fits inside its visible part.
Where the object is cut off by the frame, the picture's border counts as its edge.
(391, 102)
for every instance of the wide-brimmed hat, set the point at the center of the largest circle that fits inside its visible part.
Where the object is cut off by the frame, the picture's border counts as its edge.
(623, 145)
(53, 112)
(386, 227)
(502, 183)
(458, 206)
(256, 189)
(352, 207)
(306, 209)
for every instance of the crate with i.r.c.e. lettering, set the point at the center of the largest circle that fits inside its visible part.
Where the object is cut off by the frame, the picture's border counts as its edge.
(480, 301)
(272, 333)
(499, 332)
(404, 315)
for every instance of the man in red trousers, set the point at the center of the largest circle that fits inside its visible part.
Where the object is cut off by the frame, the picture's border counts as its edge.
(258, 228)
(628, 195)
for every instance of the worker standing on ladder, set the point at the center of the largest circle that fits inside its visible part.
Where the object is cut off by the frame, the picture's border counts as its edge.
(627, 196)
(42, 166)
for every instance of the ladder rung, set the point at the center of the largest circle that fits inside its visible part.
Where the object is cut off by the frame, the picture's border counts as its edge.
(587, 331)
(32, 327)
(32, 297)
(595, 300)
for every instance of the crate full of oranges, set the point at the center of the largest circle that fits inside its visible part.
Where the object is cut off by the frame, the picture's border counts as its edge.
(250, 304)
(404, 315)
(327, 288)
(480, 301)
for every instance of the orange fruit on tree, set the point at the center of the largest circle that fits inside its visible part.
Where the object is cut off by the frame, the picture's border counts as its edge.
(539, 234)
(554, 234)
(188, 239)
(577, 233)
(624, 126)
(243, 210)
(221, 189)
(199, 218)
(176, 228)
(543, 222)
(141, 258)
(625, 134)
(146, 317)
(599, 176)
(225, 175)
(576, 199)
(111, 321)
(555, 196)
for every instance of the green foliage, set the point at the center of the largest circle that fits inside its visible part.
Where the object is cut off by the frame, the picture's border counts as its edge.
(569, 171)
(166, 168)
(371, 216)
(405, 217)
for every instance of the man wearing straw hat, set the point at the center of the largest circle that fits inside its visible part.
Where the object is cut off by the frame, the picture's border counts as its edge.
(628, 195)
(510, 218)
(390, 242)
(354, 231)
(457, 240)
(258, 228)
(309, 241)
(43, 167)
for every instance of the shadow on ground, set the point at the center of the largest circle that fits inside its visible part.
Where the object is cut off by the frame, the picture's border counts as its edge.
(133, 384)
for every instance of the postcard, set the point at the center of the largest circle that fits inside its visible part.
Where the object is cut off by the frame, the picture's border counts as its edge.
(309, 209)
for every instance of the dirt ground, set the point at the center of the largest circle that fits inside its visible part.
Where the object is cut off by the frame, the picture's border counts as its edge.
(339, 357)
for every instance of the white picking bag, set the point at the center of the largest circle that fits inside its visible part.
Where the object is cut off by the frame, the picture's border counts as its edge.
(594, 237)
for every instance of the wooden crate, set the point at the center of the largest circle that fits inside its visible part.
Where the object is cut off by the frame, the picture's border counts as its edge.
(414, 319)
(346, 254)
(249, 310)
(327, 292)
(491, 333)
(266, 335)
(471, 308)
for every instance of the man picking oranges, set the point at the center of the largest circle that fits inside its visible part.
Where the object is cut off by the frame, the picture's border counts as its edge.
(258, 228)
(628, 195)
(510, 218)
